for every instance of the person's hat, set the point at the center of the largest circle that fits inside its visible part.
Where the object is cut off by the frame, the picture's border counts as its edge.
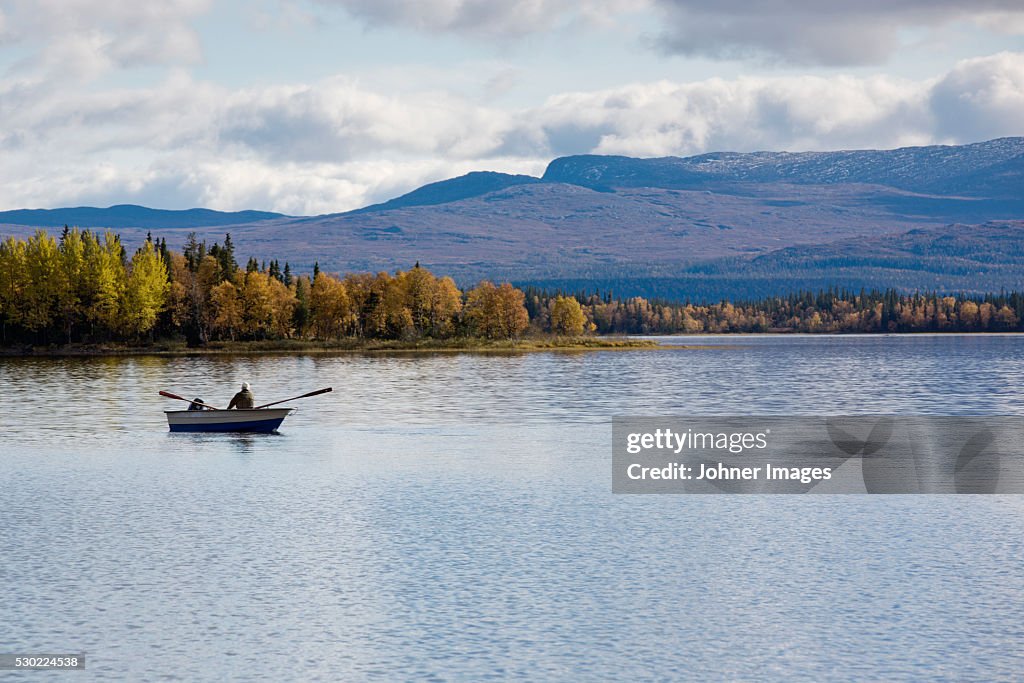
(245, 386)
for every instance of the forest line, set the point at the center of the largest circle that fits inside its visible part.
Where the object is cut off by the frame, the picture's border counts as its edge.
(83, 287)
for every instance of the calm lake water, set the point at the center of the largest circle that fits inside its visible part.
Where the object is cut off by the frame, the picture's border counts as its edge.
(450, 517)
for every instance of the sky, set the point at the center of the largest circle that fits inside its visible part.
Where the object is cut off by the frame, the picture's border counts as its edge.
(319, 106)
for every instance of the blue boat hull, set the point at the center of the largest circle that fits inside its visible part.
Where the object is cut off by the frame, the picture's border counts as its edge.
(256, 426)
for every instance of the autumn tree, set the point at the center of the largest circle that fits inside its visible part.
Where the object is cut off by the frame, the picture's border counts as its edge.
(433, 303)
(360, 289)
(73, 285)
(227, 310)
(567, 317)
(200, 284)
(12, 282)
(42, 273)
(417, 289)
(446, 304)
(177, 310)
(283, 303)
(330, 308)
(496, 312)
(145, 291)
(104, 270)
(257, 306)
(388, 314)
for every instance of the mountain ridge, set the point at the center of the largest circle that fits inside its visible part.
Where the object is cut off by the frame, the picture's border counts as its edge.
(1002, 159)
(924, 169)
(473, 184)
(131, 216)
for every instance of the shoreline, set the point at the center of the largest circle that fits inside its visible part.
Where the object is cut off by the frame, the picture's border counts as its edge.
(297, 347)
(460, 345)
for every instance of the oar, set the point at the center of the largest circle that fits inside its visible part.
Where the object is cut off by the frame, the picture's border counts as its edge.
(167, 394)
(312, 393)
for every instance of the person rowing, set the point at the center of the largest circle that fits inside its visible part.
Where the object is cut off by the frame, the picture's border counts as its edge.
(243, 399)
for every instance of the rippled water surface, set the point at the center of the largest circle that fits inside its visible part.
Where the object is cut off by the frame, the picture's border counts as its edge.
(449, 516)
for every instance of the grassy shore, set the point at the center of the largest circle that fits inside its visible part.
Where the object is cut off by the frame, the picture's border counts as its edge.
(297, 346)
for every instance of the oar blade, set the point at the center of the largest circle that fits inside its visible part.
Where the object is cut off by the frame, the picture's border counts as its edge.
(295, 398)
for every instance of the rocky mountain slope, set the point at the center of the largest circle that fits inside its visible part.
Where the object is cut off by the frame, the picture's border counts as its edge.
(993, 169)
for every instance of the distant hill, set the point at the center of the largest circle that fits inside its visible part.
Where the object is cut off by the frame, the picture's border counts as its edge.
(992, 169)
(470, 185)
(972, 259)
(130, 216)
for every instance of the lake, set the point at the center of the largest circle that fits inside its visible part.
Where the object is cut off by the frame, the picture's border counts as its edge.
(450, 517)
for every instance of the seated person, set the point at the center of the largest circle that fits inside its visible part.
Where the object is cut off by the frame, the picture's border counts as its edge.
(243, 399)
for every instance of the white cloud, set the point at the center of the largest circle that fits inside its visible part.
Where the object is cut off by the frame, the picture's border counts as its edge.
(823, 32)
(336, 145)
(981, 98)
(485, 18)
(817, 32)
(75, 39)
(745, 114)
(337, 119)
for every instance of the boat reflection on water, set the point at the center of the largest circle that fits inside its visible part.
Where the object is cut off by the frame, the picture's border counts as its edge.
(243, 442)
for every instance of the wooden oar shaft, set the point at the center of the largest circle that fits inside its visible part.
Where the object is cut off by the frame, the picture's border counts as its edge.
(295, 398)
(167, 394)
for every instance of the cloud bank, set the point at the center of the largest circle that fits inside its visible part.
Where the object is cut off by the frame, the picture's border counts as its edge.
(72, 40)
(486, 18)
(74, 130)
(336, 145)
(817, 32)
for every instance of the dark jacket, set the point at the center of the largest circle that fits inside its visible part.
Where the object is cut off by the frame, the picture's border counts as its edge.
(243, 399)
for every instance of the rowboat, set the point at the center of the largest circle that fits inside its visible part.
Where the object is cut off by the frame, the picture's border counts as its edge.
(262, 420)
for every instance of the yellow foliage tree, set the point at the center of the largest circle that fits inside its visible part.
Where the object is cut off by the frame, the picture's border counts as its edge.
(283, 303)
(145, 291)
(330, 308)
(42, 272)
(417, 286)
(12, 281)
(227, 309)
(104, 269)
(177, 293)
(969, 314)
(567, 317)
(445, 307)
(497, 312)
(388, 316)
(432, 303)
(72, 264)
(257, 307)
